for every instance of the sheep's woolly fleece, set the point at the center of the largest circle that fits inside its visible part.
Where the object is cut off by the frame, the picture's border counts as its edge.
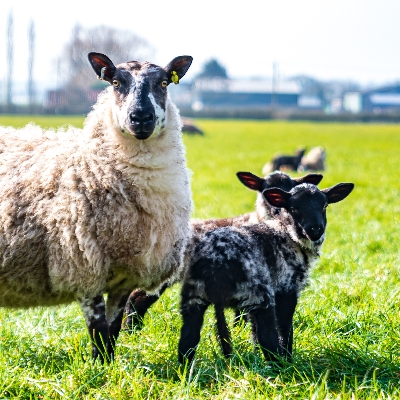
(82, 211)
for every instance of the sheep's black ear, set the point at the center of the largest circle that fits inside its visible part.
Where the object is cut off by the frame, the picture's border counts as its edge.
(177, 68)
(338, 192)
(277, 197)
(250, 180)
(314, 179)
(99, 61)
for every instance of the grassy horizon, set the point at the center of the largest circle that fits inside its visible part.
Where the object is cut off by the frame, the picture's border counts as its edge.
(346, 337)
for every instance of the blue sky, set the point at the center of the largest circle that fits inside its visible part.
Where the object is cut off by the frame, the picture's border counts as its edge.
(341, 39)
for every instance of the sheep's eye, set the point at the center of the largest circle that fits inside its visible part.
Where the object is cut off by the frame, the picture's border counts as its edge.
(293, 210)
(164, 83)
(115, 83)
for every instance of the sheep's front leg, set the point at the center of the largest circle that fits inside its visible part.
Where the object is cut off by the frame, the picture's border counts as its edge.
(190, 333)
(285, 306)
(116, 302)
(94, 311)
(264, 328)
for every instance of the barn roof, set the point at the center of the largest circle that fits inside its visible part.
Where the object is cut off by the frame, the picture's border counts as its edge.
(246, 86)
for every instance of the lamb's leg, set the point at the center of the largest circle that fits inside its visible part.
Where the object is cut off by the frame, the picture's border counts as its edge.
(285, 306)
(190, 332)
(116, 302)
(138, 304)
(223, 331)
(264, 327)
(94, 311)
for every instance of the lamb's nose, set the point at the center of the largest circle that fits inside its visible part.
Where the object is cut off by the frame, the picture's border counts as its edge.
(315, 232)
(316, 229)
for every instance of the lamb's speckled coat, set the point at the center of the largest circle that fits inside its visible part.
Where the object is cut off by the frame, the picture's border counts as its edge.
(259, 268)
(270, 261)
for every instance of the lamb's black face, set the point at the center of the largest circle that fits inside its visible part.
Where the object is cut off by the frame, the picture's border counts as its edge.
(280, 180)
(307, 205)
(140, 92)
(308, 209)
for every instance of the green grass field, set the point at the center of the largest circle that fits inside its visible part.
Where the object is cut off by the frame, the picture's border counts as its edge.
(347, 335)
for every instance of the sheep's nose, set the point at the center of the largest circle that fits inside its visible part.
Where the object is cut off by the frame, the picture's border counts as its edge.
(141, 117)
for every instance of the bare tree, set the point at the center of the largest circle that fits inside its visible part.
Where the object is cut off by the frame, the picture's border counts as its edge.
(10, 58)
(31, 54)
(118, 45)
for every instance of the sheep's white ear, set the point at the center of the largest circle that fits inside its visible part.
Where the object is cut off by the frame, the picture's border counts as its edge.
(177, 68)
(102, 65)
(314, 179)
(250, 180)
(277, 197)
(338, 192)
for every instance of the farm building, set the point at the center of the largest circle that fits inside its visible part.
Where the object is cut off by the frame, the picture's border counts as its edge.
(60, 101)
(254, 93)
(382, 99)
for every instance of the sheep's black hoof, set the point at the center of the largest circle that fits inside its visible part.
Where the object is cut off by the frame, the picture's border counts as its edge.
(186, 357)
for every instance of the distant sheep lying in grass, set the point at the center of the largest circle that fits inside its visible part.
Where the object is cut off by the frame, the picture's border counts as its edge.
(260, 268)
(139, 301)
(314, 160)
(284, 162)
(99, 210)
(188, 126)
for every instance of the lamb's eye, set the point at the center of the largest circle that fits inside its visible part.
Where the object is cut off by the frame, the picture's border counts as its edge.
(293, 210)
(115, 83)
(164, 83)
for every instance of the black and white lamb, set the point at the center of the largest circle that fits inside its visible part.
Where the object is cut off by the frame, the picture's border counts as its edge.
(140, 301)
(100, 210)
(284, 162)
(260, 268)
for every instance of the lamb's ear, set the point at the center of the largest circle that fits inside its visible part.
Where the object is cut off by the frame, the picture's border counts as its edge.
(314, 179)
(99, 61)
(250, 180)
(277, 197)
(177, 68)
(338, 192)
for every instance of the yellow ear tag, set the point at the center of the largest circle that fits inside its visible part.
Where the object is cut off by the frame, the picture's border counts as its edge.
(174, 77)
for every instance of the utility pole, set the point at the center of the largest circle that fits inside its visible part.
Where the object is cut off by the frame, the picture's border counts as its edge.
(31, 56)
(274, 100)
(10, 59)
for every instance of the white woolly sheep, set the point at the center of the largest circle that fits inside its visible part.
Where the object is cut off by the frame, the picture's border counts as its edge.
(100, 210)
(139, 301)
(314, 160)
(260, 268)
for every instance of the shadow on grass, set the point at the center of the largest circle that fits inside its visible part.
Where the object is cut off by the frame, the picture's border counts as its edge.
(340, 371)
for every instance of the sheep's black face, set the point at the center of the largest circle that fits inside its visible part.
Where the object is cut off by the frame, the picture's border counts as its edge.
(307, 205)
(140, 92)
